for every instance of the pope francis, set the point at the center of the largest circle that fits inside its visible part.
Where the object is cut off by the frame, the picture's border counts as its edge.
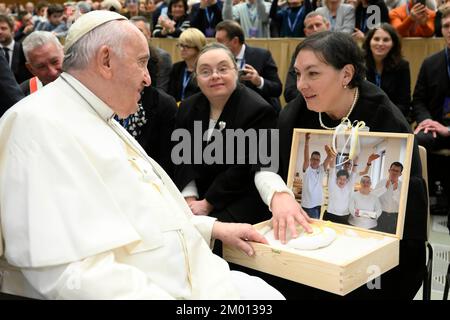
(85, 213)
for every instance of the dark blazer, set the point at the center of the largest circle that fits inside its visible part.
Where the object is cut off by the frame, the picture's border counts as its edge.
(432, 86)
(290, 85)
(262, 61)
(10, 92)
(18, 64)
(198, 17)
(230, 188)
(160, 111)
(396, 83)
(176, 82)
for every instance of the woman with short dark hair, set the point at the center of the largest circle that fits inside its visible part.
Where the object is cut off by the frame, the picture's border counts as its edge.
(385, 66)
(330, 78)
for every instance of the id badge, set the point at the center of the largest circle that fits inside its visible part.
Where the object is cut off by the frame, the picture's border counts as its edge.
(253, 32)
(209, 32)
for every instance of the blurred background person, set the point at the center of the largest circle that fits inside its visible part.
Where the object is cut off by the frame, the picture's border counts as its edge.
(252, 15)
(289, 19)
(182, 83)
(437, 19)
(361, 16)
(26, 28)
(160, 63)
(44, 55)
(413, 19)
(340, 15)
(258, 69)
(10, 92)
(206, 15)
(175, 22)
(386, 67)
(12, 49)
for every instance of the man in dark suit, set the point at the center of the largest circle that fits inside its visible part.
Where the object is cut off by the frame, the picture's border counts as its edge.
(9, 89)
(13, 50)
(431, 107)
(257, 68)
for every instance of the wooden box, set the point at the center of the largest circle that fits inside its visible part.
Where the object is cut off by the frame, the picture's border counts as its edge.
(357, 256)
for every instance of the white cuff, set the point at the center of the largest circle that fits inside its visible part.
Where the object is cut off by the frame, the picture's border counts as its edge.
(262, 83)
(190, 190)
(268, 183)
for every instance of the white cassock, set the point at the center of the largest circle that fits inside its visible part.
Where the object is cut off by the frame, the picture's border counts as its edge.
(86, 214)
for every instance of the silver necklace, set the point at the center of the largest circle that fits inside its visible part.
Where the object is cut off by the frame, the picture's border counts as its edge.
(355, 99)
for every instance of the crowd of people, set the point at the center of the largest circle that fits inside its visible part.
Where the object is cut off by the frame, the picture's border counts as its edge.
(86, 135)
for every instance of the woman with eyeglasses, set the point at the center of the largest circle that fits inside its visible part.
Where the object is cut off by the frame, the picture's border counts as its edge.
(226, 121)
(385, 66)
(175, 22)
(330, 78)
(182, 83)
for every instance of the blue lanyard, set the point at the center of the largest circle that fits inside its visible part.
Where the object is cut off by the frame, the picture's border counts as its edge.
(293, 25)
(209, 17)
(186, 79)
(447, 58)
(378, 79)
(332, 22)
(251, 14)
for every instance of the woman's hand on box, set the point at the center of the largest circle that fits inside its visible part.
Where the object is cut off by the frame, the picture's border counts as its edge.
(287, 213)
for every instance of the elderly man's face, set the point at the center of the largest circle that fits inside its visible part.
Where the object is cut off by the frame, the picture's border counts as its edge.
(130, 74)
(45, 62)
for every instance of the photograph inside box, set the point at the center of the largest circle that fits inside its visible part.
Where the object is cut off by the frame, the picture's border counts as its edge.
(355, 186)
(357, 181)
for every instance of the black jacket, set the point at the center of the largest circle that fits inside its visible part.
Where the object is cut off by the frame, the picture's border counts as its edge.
(228, 187)
(10, 92)
(432, 86)
(176, 82)
(262, 61)
(160, 111)
(396, 83)
(18, 64)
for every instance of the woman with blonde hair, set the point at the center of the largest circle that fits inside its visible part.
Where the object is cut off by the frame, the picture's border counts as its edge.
(182, 83)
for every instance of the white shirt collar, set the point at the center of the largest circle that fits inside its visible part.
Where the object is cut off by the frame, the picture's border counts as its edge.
(10, 46)
(240, 56)
(103, 110)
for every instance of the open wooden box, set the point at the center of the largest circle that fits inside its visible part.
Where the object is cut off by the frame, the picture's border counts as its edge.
(357, 255)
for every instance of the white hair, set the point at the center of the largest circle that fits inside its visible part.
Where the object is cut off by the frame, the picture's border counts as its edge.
(110, 34)
(37, 39)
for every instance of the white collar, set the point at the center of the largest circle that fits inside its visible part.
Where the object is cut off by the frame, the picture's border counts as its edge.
(103, 110)
(10, 46)
(240, 56)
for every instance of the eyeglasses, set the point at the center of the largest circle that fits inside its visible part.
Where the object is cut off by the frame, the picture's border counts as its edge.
(221, 71)
(184, 46)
